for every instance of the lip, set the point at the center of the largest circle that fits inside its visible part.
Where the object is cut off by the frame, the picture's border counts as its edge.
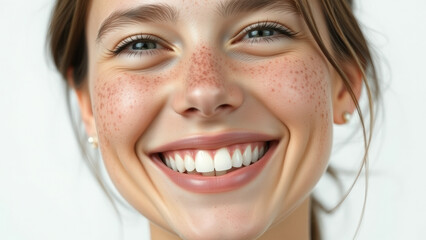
(213, 141)
(215, 184)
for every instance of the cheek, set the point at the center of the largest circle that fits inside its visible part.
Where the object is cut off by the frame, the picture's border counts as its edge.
(297, 89)
(123, 105)
(297, 82)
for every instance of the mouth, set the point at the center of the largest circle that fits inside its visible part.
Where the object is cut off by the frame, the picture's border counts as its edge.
(215, 164)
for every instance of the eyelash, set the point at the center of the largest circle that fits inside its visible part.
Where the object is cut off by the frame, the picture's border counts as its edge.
(126, 43)
(273, 26)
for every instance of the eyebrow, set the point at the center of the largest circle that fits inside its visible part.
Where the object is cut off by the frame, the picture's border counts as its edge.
(167, 13)
(234, 7)
(144, 13)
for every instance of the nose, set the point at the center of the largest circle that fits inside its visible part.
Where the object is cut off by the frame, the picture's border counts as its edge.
(206, 91)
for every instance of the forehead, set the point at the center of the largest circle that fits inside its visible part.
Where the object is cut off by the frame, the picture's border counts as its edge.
(188, 5)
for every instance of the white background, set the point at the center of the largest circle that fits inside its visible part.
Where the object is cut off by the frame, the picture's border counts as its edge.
(47, 192)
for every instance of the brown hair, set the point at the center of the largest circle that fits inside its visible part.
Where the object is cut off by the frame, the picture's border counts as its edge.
(69, 51)
(67, 38)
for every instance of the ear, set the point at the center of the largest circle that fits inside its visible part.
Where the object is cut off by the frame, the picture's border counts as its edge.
(84, 101)
(342, 100)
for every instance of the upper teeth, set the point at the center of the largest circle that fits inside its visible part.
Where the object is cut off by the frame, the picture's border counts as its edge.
(214, 162)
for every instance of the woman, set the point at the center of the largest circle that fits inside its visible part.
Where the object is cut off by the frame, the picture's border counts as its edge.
(214, 118)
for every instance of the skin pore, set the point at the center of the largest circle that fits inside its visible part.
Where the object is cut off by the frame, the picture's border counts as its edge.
(181, 76)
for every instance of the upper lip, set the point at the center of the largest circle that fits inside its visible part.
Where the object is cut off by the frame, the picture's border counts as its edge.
(216, 141)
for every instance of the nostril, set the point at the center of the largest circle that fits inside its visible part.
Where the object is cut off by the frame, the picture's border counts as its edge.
(205, 112)
(223, 107)
(191, 110)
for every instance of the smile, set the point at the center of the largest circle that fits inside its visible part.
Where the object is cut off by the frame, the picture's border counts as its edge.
(215, 164)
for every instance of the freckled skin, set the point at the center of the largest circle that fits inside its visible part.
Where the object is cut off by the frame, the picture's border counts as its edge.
(204, 69)
(121, 98)
(296, 80)
(202, 88)
(290, 86)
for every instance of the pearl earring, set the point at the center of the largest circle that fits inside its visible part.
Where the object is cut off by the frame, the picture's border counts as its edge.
(93, 141)
(346, 117)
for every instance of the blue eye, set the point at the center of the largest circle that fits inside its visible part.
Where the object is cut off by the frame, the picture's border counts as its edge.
(266, 31)
(138, 45)
(261, 33)
(144, 46)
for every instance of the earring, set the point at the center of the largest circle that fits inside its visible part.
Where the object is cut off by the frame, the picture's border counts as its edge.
(346, 117)
(93, 141)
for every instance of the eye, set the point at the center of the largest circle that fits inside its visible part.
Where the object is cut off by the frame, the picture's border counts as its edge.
(261, 33)
(139, 45)
(143, 46)
(265, 31)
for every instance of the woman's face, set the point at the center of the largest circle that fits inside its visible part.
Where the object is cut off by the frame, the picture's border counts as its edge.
(210, 114)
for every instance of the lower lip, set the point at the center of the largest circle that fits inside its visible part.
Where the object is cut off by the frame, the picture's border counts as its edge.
(216, 184)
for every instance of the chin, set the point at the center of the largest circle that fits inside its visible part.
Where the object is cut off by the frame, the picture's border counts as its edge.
(242, 229)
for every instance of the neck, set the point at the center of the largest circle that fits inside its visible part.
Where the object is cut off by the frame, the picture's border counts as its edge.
(158, 233)
(295, 226)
